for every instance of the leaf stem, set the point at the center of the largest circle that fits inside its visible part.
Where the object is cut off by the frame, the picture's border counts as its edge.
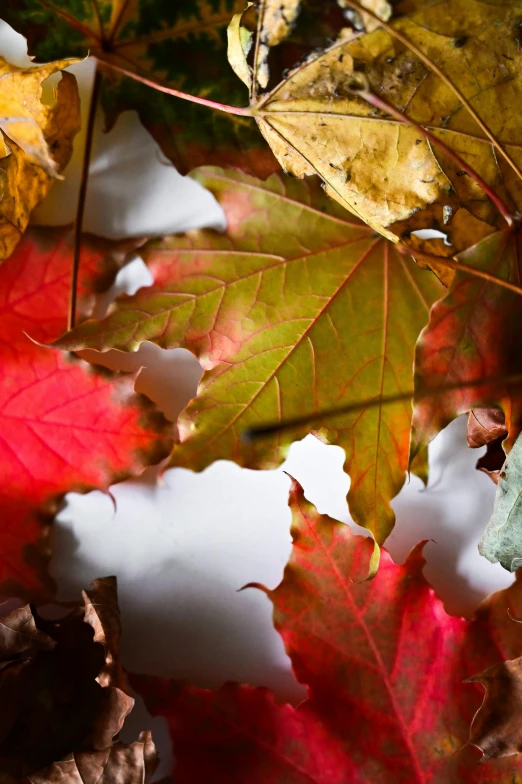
(220, 107)
(379, 103)
(436, 70)
(258, 432)
(81, 199)
(456, 265)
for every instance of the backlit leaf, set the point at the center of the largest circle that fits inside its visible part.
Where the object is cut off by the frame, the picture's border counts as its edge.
(384, 666)
(180, 44)
(473, 332)
(36, 141)
(295, 310)
(63, 426)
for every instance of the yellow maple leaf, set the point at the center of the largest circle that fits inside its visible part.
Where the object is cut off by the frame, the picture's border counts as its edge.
(36, 141)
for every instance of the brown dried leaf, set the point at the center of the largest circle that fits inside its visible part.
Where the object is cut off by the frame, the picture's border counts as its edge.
(103, 614)
(63, 692)
(120, 764)
(276, 19)
(485, 425)
(497, 726)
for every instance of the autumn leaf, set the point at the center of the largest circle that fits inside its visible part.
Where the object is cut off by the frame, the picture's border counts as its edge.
(64, 427)
(473, 333)
(413, 125)
(61, 707)
(384, 666)
(296, 309)
(181, 45)
(130, 764)
(36, 141)
(496, 726)
(487, 427)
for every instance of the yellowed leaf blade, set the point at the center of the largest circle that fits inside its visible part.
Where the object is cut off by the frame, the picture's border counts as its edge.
(452, 67)
(37, 141)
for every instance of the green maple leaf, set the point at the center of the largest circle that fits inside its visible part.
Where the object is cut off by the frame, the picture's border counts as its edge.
(182, 45)
(297, 308)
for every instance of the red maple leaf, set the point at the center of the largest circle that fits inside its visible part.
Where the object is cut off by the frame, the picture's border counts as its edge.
(385, 668)
(63, 426)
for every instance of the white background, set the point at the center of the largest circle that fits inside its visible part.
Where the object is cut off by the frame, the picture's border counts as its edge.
(182, 547)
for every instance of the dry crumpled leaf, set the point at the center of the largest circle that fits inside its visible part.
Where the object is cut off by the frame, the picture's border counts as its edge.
(487, 427)
(497, 728)
(452, 66)
(276, 18)
(64, 695)
(120, 764)
(35, 141)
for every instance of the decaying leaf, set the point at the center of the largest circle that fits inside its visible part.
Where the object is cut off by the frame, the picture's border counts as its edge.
(120, 764)
(502, 538)
(269, 310)
(180, 44)
(487, 427)
(473, 333)
(384, 666)
(276, 18)
(35, 141)
(451, 67)
(63, 426)
(496, 728)
(56, 696)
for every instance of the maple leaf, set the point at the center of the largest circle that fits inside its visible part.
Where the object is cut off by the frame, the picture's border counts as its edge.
(473, 333)
(61, 696)
(384, 666)
(63, 426)
(35, 141)
(393, 119)
(269, 310)
(487, 427)
(181, 45)
(132, 764)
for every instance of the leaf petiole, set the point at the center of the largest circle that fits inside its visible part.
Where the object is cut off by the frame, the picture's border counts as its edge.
(221, 107)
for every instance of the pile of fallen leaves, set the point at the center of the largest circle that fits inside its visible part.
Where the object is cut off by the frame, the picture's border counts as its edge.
(327, 307)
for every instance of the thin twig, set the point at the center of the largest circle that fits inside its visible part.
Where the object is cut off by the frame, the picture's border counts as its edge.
(258, 432)
(81, 199)
(436, 70)
(442, 261)
(221, 107)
